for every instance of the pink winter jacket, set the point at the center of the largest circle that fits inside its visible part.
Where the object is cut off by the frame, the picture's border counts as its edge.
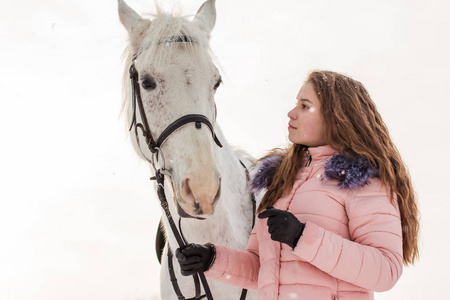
(351, 245)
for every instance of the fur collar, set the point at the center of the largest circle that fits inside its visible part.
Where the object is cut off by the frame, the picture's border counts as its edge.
(262, 173)
(350, 172)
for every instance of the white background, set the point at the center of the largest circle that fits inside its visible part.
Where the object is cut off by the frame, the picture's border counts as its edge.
(78, 215)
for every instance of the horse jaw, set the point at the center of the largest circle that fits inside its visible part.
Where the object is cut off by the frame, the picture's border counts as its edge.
(205, 18)
(133, 23)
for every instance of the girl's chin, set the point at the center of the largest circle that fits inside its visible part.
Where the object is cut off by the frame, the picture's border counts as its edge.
(294, 140)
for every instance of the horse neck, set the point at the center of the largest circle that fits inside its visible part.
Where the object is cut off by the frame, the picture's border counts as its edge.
(230, 225)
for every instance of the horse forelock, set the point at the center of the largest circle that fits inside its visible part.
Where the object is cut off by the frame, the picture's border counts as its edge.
(155, 49)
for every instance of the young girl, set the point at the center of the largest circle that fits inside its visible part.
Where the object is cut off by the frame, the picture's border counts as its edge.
(339, 217)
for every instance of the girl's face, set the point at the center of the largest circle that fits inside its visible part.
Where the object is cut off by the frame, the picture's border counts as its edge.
(306, 124)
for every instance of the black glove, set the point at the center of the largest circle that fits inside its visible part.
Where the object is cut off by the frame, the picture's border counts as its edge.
(194, 258)
(283, 226)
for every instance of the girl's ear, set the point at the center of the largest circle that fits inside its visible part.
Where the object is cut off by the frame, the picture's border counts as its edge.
(206, 17)
(133, 23)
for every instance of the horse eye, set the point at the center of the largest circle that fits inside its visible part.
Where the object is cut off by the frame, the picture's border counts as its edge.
(148, 83)
(218, 84)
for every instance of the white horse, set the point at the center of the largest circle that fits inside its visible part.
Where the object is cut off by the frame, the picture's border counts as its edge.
(177, 77)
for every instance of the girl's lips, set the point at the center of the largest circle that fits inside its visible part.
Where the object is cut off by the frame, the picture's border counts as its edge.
(291, 127)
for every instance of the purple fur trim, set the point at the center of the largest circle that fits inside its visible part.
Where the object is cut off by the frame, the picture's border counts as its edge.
(265, 171)
(351, 172)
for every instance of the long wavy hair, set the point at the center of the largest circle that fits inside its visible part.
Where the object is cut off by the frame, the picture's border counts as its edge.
(354, 126)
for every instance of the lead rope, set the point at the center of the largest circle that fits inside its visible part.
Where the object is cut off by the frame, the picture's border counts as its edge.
(198, 292)
(159, 177)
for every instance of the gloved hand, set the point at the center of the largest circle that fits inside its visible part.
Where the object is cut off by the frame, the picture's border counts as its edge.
(283, 226)
(195, 257)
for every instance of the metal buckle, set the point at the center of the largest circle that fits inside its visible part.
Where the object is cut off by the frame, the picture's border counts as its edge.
(156, 159)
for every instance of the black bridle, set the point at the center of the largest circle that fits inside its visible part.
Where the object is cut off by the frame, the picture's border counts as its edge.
(152, 144)
(155, 148)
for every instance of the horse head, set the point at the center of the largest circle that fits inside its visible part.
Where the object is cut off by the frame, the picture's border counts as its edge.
(177, 77)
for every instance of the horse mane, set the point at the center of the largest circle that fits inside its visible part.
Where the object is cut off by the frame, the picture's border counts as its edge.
(153, 48)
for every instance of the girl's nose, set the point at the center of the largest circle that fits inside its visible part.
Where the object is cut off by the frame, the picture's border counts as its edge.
(292, 115)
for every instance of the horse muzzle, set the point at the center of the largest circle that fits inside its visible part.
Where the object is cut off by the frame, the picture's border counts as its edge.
(200, 193)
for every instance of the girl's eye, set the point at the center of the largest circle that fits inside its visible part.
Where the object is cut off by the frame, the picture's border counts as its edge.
(301, 105)
(148, 83)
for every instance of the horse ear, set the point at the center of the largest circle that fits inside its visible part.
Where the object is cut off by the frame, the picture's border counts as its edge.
(206, 16)
(133, 23)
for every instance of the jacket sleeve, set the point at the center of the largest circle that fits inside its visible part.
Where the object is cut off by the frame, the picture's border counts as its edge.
(238, 268)
(372, 259)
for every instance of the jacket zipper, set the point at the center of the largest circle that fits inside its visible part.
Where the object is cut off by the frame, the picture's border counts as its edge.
(309, 158)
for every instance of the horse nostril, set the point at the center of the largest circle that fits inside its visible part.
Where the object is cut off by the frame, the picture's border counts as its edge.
(218, 191)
